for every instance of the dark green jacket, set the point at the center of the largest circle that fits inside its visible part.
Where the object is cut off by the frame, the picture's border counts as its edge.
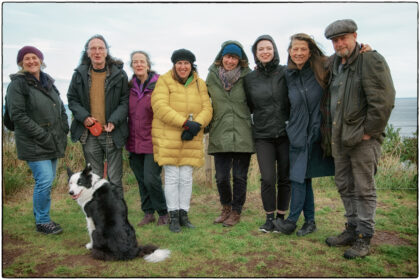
(365, 98)
(116, 101)
(230, 128)
(39, 117)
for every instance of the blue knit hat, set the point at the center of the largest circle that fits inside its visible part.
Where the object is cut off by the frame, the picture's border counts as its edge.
(232, 49)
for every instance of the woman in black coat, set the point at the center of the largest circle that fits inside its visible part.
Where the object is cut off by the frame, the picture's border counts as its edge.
(267, 99)
(40, 124)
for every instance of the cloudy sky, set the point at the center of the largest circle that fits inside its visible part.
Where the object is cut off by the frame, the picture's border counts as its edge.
(60, 31)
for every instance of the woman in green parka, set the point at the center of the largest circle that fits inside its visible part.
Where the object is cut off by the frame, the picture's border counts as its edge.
(231, 141)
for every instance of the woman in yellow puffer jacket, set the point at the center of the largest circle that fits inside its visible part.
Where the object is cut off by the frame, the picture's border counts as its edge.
(181, 109)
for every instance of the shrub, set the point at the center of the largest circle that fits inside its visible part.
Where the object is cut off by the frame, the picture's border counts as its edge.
(410, 149)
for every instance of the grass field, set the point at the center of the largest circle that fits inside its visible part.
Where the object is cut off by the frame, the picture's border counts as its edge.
(210, 250)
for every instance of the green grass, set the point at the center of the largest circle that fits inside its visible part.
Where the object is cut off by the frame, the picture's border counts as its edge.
(212, 250)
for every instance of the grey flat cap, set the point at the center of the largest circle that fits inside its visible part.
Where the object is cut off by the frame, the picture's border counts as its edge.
(340, 27)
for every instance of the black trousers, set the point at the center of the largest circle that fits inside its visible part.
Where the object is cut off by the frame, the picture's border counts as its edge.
(239, 164)
(147, 173)
(273, 160)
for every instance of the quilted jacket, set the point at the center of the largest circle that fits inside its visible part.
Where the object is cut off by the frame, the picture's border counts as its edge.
(172, 103)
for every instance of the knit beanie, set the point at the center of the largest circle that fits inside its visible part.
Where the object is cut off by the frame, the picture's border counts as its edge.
(29, 49)
(232, 49)
(183, 54)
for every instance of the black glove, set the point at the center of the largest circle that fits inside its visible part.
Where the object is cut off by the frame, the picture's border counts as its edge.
(193, 127)
(186, 135)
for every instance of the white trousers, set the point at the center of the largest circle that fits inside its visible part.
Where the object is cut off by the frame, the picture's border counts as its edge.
(178, 186)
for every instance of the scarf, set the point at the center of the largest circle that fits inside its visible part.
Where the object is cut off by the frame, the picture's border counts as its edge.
(228, 78)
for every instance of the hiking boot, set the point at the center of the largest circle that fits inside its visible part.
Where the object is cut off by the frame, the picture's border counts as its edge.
(148, 218)
(174, 225)
(49, 228)
(224, 215)
(267, 227)
(307, 228)
(284, 226)
(347, 237)
(233, 219)
(183, 219)
(360, 248)
(163, 220)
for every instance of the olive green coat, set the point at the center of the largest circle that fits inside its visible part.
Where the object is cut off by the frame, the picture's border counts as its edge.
(366, 97)
(230, 129)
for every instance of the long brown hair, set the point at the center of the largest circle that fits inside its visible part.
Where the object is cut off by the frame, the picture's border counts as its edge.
(317, 59)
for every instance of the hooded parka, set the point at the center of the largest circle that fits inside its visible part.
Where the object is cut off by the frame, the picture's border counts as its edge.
(230, 128)
(39, 117)
(172, 103)
(116, 101)
(266, 92)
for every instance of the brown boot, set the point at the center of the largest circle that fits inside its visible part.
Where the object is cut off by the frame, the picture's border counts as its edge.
(163, 220)
(148, 218)
(233, 219)
(224, 215)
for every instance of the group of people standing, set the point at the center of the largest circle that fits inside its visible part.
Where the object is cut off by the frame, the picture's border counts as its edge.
(296, 118)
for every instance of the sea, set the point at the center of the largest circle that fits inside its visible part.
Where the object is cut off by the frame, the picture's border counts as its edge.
(404, 116)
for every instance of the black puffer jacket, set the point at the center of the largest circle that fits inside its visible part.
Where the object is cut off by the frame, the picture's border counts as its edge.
(39, 117)
(267, 98)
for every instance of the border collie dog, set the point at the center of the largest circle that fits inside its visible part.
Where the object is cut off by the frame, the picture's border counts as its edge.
(111, 235)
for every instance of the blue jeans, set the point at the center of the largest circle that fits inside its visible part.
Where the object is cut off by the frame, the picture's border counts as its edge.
(44, 174)
(302, 200)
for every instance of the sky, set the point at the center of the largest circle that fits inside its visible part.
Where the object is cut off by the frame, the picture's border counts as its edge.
(61, 29)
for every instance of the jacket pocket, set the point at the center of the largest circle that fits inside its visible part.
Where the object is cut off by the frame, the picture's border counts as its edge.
(353, 131)
(297, 137)
(45, 146)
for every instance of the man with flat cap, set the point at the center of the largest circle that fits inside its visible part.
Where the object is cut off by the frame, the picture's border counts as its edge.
(356, 110)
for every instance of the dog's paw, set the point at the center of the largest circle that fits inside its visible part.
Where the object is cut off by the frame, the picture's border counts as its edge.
(89, 246)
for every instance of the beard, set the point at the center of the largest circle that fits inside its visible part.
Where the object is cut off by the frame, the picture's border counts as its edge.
(343, 53)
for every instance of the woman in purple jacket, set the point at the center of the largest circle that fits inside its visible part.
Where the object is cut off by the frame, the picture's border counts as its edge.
(139, 142)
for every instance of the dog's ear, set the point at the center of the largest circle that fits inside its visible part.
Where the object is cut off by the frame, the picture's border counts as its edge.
(87, 169)
(69, 172)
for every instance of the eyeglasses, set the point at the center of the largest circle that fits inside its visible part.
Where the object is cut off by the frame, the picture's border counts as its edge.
(99, 49)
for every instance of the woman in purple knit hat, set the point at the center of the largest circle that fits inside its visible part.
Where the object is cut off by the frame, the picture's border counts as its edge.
(34, 107)
(139, 142)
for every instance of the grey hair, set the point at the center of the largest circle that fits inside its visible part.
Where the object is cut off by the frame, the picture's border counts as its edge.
(149, 63)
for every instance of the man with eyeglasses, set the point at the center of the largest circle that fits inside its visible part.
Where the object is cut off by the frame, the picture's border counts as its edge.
(98, 98)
